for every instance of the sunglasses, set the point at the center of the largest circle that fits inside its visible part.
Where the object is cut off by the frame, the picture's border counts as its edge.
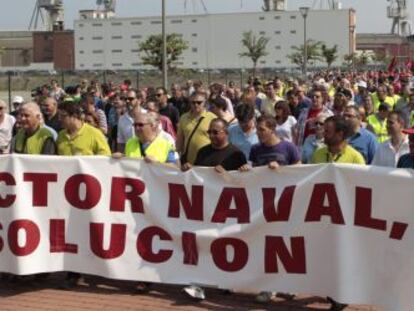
(197, 102)
(214, 132)
(139, 124)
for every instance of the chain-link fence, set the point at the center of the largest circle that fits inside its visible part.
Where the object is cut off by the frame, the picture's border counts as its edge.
(21, 83)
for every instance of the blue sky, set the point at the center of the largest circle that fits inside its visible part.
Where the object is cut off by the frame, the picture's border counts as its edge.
(371, 14)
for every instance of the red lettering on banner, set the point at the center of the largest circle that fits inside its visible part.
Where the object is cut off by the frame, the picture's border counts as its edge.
(92, 193)
(119, 194)
(317, 209)
(144, 245)
(40, 186)
(284, 206)
(223, 211)
(57, 238)
(219, 253)
(117, 243)
(363, 210)
(193, 209)
(294, 262)
(190, 250)
(32, 233)
(9, 199)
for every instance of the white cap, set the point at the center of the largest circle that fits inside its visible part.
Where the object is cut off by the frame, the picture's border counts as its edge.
(362, 84)
(18, 100)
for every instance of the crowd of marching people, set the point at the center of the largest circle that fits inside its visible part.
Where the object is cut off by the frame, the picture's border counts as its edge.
(364, 118)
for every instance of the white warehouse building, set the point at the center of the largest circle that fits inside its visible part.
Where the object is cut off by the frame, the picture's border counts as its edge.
(214, 39)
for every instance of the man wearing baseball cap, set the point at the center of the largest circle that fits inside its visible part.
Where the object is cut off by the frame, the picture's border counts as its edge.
(407, 160)
(17, 102)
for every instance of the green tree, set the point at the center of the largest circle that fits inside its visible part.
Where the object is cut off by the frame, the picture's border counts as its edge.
(313, 53)
(363, 59)
(381, 58)
(349, 60)
(256, 48)
(152, 49)
(330, 55)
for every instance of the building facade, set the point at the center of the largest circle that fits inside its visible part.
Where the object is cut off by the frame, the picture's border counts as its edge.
(214, 39)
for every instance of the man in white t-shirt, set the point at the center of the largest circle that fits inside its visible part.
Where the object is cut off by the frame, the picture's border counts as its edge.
(391, 150)
(6, 128)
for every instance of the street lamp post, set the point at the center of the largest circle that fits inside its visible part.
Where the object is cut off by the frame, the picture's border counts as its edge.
(164, 48)
(304, 11)
(352, 44)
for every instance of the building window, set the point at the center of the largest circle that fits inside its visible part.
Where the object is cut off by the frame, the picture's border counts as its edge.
(82, 65)
(278, 32)
(278, 62)
(293, 32)
(136, 37)
(195, 50)
(116, 37)
(135, 64)
(135, 51)
(97, 65)
(261, 18)
(176, 21)
(194, 35)
(156, 22)
(262, 33)
(81, 52)
(293, 17)
(277, 47)
(80, 25)
(194, 21)
(277, 17)
(80, 38)
(136, 23)
(263, 62)
(116, 51)
(195, 63)
(116, 24)
(97, 38)
(97, 52)
(96, 25)
(117, 65)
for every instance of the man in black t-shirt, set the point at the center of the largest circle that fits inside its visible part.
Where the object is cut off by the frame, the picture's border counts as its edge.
(220, 153)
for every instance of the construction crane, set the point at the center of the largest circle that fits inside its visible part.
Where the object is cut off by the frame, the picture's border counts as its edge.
(50, 13)
(398, 12)
(193, 2)
(326, 4)
(277, 5)
(106, 5)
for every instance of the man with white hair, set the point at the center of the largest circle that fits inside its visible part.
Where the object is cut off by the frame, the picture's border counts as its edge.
(33, 138)
(6, 128)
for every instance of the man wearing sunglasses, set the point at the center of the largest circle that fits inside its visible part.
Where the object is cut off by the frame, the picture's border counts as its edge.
(220, 154)
(165, 108)
(192, 130)
(125, 122)
(149, 143)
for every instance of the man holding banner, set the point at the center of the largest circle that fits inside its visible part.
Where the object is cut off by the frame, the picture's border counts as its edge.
(337, 149)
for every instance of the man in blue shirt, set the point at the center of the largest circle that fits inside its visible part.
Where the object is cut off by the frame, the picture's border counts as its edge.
(243, 135)
(361, 139)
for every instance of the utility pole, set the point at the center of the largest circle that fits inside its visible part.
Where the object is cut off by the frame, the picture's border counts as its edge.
(164, 48)
(304, 11)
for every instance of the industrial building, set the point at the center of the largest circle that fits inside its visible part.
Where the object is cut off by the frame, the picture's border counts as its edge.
(214, 39)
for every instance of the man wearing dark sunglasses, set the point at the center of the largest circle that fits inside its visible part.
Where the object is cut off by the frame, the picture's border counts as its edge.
(220, 154)
(192, 130)
(165, 108)
(125, 128)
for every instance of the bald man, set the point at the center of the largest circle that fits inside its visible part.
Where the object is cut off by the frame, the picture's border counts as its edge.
(33, 138)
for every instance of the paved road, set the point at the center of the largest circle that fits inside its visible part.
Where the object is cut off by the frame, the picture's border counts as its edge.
(101, 294)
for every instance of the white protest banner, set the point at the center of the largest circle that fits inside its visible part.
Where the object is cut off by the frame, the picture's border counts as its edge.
(335, 230)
